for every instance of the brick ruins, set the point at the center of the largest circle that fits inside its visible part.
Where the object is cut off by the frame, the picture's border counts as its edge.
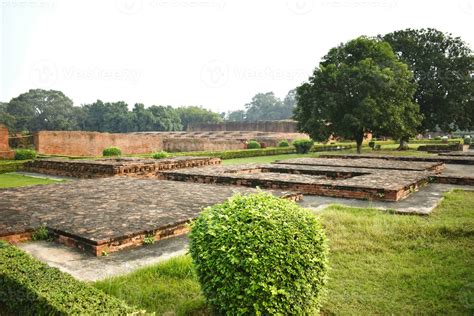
(109, 167)
(5, 152)
(109, 214)
(132, 201)
(92, 143)
(376, 180)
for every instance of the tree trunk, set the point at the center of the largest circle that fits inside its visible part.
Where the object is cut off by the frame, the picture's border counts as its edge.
(403, 143)
(359, 139)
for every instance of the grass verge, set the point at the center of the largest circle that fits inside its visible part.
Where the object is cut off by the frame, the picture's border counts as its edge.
(11, 180)
(381, 263)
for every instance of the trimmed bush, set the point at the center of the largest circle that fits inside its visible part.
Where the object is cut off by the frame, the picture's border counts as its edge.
(303, 146)
(160, 155)
(30, 287)
(111, 151)
(467, 140)
(253, 145)
(284, 143)
(372, 144)
(25, 154)
(260, 255)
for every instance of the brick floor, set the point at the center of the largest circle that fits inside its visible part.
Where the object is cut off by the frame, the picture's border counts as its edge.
(453, 159)
(107, 214)
(350, 182)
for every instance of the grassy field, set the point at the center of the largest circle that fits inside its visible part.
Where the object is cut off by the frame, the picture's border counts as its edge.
(365, 150)
(11, 180)
(381, 263)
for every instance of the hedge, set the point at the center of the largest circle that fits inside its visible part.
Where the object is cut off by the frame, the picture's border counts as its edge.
(260, 255)
(11, 165)
(30, 287)
(25, 154)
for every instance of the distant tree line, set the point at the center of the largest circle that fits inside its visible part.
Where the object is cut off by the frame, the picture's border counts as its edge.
(40, 109)
(265, 107)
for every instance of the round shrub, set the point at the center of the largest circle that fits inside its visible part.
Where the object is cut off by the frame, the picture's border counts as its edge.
(284, 143)
(111, 151)
(303, 146)
(467, 140)
(259, 255)
(253, 145)
(372, 144)
(160, 155)
(25, 154)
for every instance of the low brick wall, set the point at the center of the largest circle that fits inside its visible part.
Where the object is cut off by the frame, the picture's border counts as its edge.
(115, 167)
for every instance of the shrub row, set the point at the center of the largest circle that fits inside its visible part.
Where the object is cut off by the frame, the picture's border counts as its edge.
(30, 287)
(11, 165)
(241, 153)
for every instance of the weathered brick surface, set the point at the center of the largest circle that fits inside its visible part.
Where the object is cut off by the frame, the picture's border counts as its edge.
(109, 214)
(461, 160)
(5, 152)
(92, 143)
(366, 163)
(108, 167)
(349, 182)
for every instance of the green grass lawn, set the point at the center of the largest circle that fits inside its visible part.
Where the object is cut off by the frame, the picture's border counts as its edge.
(365, 150)
(381, 263)
(11, 180)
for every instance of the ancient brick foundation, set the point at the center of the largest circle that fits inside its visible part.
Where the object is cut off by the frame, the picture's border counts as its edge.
(115, 166)
(5, 152)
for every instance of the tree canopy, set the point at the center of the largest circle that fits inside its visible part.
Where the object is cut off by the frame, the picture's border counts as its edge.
(265, 107)
(442, 66)
(52, 110)
(359, 87)
(40, 109)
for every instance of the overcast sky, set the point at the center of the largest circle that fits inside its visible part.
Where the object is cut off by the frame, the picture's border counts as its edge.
(214, 53)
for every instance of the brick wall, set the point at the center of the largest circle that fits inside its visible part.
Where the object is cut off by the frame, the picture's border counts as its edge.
(93, 143)
(5, 152)
(284, 126)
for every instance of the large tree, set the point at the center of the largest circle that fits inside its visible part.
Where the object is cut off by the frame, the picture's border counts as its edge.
(267, 106)
(166, 118)
(359, 87)
(197, 114)
(443, 66)
(40, 109)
